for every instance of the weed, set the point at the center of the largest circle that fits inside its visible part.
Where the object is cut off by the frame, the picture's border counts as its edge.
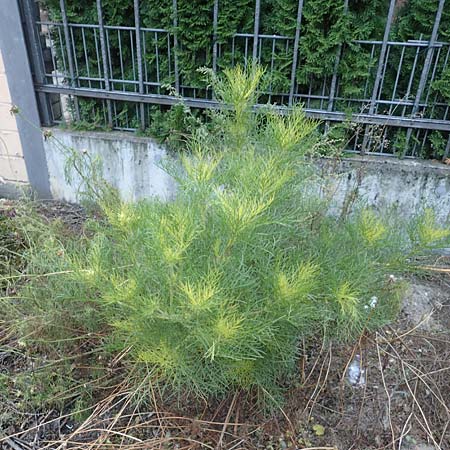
(212, 291)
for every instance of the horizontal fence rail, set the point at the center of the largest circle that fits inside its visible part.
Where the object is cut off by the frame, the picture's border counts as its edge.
(110, 75)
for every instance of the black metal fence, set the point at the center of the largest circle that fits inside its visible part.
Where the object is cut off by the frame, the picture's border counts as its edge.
(115, 66)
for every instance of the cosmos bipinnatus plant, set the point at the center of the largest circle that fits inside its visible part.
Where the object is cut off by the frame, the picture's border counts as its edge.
(212, 291)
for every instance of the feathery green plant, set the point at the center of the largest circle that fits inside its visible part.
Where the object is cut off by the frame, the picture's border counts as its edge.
(213, 290)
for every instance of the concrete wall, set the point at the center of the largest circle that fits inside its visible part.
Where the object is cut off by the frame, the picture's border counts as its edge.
(132, 165)
(385, 182)
(12, 164)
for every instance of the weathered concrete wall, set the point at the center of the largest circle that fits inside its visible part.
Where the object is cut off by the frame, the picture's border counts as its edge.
(132, 165)
(385, 182)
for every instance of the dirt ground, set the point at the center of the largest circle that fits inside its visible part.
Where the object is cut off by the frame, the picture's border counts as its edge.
(391, 390)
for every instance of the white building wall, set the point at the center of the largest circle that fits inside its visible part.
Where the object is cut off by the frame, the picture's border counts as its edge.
(12, 163)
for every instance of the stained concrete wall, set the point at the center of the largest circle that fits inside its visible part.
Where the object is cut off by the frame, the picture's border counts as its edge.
(407, 185)
(132, 165)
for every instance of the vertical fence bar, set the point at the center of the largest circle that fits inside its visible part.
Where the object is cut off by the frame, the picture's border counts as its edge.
(52, 53)
(366, 85)
(101, 30)
(436, 95)
(295, 51)
(376, 85)
(411, 76)
(122, 71)
(272, 61)
(394, 90)
(256, 31)
(335, 70)
(133, 62)
(333, 85)
(157, 63)
(70, 55)
(109, 61)
(169, 55)
(144, 49)
(433, 75)
(62, 49)
(246, 52)
(77, 72)
(175, 45)
(215, 25)
(425, 69)
(29, 12)
(383, 75)
(86, 58)
(137, 24)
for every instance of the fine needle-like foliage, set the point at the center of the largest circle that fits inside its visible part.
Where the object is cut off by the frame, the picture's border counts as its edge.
(213, 291)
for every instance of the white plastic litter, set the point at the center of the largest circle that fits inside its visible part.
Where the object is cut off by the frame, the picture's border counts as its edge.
(355, 373)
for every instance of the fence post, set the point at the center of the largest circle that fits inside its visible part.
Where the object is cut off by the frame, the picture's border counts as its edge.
(215, 24)
(62, 4)
(175, 45)
(295, 54)
(101, 32)
(335, 69)
(425, 70)
(37, 60)
(256, 31)
(137, 25)
(21, 92)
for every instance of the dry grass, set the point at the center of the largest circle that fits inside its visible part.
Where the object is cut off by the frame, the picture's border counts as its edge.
(404, 400)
